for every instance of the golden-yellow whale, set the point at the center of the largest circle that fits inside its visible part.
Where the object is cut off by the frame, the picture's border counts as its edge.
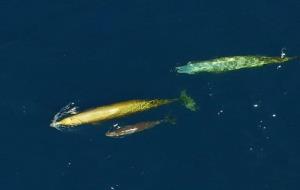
(118, 110)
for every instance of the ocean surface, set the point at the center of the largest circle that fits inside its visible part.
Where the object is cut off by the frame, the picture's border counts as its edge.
(245, 135)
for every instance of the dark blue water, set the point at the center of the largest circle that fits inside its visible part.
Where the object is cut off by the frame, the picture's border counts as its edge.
(245, 135)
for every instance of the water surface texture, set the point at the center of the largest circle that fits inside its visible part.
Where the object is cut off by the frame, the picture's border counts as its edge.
(245, 135)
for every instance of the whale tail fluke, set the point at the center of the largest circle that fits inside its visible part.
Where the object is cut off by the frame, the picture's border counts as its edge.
(188, 101)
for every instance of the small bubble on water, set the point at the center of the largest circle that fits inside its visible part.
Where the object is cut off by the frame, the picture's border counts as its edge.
(113, 187)
(220, 112)
(264, 127)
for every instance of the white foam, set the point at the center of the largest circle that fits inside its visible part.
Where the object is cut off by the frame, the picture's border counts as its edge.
(69, 109)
